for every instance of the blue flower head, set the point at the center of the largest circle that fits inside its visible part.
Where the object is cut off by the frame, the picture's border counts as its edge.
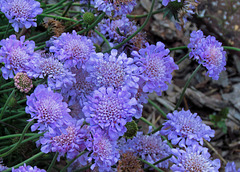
(21, 13)
(68, 140)
(112, 70)
(208, 52)
(231, 167)
(48, 108)
(194, 158)
(27, 168)
(104, 151)
(155, 67)
(72, 49)
(57, 75)
(185, 128)
(16, 55)
(115, 8)
(110, 110)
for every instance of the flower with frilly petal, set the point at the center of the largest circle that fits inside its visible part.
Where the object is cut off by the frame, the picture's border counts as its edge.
(48, 108)
(112, 70)
(21, 13)
(149, 147)
(192, 159)
(25, 168)
(115, 8)
(104, 151)
(16, 55)
(68, 140)
(79, 90)
(58, 76)
(231, 167)
(72, 49)
(185, 128)
(208, 52)
(110, 110)
(118, 30)
(155, 67)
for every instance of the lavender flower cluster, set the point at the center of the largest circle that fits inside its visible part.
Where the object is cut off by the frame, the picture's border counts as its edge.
(88, 97)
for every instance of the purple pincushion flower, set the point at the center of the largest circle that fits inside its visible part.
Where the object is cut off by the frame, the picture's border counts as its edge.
(58, 76)
(48, 108)
(110, 110)
(16, 55)
(118, 30)
(194, 158)
(231, 167)
(115, 8)
(112, 70)
(28, 168)
(68, 140)
(155, 67)
(79, 90)
(104, 151)
(72, 49)
(149, 147)
(21, 13)
(185, 128)
(209, 52)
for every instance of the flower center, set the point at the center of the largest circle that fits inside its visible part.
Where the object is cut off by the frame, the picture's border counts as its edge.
(196, 163)
(155, 67)
(20, 8)
(49, 110)
(110, 74)
(109, 109)
(18, 58)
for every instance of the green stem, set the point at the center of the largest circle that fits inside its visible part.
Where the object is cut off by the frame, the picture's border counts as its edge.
(26, 140)
(70, 162)
(13, 116)
(147, 122)
(103, 37)
(58, 17)
(10, 30)
(151, 165)
(231, 48)
(22, 101)
(69, 6)
(135, 33)
(40, 47)
(37, 36)
(53, 162)
(161, 160)
(100, 17)
(7, 90)
(7, 84)
(158, 108)
(75, 24)
(186, 85)
(26, 161)
(145, 15)
(16, 135)
(178, 48)
(183, 58)
(6, 104)
(49, 10)
(19, 141)
(6, 32)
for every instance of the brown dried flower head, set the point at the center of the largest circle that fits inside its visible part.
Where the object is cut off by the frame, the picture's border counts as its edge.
(129, 163)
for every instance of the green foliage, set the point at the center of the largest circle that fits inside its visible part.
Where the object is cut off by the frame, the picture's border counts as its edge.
(219, 119)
